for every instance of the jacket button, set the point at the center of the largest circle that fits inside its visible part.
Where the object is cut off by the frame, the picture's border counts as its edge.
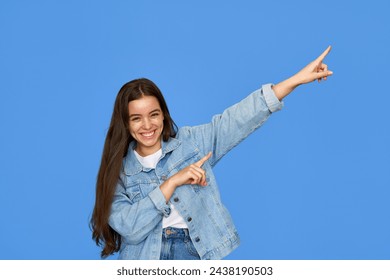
(163, 177)
(189, 219)
(176, 199)
(197, 239)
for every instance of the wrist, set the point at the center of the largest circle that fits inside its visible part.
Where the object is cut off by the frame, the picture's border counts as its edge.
(167, 188)
(171, 183)
(284, 88)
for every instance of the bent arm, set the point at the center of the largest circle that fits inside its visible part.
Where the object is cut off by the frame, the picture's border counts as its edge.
(135, 221)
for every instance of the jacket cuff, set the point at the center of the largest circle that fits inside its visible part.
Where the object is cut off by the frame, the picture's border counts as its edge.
(272, 101)
(158, 200)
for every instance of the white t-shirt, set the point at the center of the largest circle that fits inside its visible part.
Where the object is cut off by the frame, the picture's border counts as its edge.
(174, 219)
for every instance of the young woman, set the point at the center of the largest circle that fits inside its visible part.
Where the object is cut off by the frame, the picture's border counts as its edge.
(156, 194)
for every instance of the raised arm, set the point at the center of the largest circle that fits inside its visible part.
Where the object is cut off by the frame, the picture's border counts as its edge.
(315, 70)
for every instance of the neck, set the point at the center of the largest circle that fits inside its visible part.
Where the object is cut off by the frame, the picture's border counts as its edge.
(144, 151)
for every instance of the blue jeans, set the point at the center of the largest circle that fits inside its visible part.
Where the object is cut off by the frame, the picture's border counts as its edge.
(177, 245)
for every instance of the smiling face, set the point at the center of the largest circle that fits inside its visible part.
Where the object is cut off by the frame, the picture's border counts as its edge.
(146, 124)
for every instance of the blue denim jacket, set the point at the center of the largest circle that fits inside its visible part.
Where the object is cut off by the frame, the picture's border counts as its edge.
(139, 205)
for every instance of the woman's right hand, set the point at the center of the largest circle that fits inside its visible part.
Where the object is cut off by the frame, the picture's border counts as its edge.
(192, 174)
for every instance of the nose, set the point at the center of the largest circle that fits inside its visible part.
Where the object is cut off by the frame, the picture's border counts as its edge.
(147, 123)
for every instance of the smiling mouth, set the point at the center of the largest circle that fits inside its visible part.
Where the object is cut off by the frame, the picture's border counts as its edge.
(148, 134)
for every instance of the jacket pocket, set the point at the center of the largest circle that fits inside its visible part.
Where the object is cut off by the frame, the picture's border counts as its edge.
(133, 193)
(139, 190)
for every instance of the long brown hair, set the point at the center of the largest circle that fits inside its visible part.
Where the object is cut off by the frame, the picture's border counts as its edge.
(115, 148)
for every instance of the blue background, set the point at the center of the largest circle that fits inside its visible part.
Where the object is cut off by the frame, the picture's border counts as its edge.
(312, 183)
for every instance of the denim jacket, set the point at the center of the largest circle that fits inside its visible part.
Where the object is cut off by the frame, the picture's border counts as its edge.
(139, 205)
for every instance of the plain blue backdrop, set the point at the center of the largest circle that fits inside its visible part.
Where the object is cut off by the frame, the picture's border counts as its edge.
(312, 183)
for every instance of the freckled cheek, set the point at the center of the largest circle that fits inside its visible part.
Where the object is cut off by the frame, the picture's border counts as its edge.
(133, 129)
(161, 126)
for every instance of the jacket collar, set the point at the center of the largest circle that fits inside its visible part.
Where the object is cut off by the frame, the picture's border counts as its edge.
(131, 165)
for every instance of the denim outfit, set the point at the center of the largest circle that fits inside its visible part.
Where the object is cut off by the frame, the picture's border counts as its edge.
(139, 205)
(177, 245)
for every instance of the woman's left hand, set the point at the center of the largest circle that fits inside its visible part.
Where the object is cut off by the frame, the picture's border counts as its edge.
(315, 70)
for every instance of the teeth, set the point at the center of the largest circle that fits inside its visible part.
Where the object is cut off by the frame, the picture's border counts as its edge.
(148, 134)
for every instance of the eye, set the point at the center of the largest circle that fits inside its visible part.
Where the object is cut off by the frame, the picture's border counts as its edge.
(135, 119)
(156, 114)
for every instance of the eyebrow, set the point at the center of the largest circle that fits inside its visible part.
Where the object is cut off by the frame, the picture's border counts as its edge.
(154, 111)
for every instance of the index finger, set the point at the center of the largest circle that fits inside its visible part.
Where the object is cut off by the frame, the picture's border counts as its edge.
(324, 54)
(203, 160)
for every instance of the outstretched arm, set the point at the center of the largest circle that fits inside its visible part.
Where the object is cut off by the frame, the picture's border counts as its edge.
(315, 70)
